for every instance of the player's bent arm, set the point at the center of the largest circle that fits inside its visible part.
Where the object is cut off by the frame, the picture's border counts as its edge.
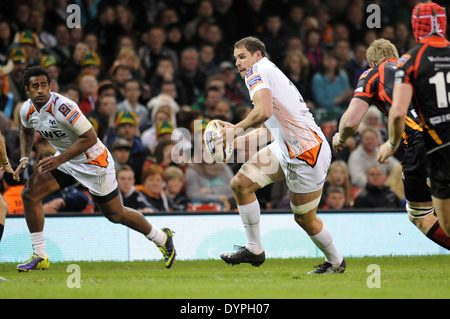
(396, 121)
(397, 114)
(26, 137)
(3, 156)
(257, 137)
(351, 118)
(262, 111)
(85, 142)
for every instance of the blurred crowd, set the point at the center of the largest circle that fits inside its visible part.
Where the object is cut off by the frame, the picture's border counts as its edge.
(145, 72)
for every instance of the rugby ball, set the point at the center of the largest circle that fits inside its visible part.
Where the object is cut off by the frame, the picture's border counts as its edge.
(214, 142)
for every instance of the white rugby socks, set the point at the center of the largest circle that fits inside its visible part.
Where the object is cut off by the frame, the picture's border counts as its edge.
(157, 236)
(250, 215)
(38, 243)
(324, 241)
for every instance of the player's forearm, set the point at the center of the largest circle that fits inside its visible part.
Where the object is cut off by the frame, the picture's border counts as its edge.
(346, 130)
(396, 128)
(77, 148)
(26, 138)
(351, 118)
(257, 137)
(3, 155)
(397, 113)
(254, 119)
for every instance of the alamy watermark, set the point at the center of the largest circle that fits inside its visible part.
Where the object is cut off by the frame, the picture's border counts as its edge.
(74, 279)
(374, 279)
(373, 21)
(74, 18)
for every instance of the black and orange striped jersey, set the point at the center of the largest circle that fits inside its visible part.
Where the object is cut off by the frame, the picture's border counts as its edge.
(427, 68)
(375, 86)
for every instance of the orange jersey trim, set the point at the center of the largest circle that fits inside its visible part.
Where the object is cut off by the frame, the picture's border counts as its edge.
(31, 110)
(101, 161)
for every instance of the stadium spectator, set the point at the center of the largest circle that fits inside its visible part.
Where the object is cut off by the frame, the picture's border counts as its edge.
(209, 101)
(227, 20)
(120, 151)
(205, 13)
(107, 29)
(92, 41)
(330, 86)
(251, 15)
(36, 24)
(189, 74)
(174, 183)
(72, 92)
(6, 97)
(165, 72)
(235, 92)
(154, 197)
(119, 75)
(6, 36)
(338, 176)
(206, 60)
(402, 37)
(221, 48)
(365, 156)
(63, 47)
(127, 56)
(209, 182)
(293, 23)
(175, 39)
(126, 127)
(88, 85)
(18, 57)
(51, 64)
(154, 49)
(355, 22)
(296, 68)
(342, 52)
(70, 73)
(274, 37)
(335, 198)
(376, 194)
(216, 82)
(132, 92)
(313, 49)
(129, 196)
(222, 110)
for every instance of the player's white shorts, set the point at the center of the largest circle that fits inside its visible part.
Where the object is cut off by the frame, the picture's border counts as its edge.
(99, 179)
(301, 177)
(304, 176)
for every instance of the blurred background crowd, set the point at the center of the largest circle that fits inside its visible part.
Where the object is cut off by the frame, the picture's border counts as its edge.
(143, 72)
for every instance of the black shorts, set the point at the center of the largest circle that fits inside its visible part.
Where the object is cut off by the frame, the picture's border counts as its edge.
(438, 168)
(415, 173)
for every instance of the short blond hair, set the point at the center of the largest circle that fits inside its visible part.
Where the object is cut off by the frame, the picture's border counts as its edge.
(381, 50)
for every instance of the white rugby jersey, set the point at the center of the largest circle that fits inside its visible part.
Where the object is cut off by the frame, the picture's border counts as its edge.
(291, 124)
(61, 122)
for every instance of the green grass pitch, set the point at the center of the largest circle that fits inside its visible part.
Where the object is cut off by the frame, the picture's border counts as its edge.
(393, 277)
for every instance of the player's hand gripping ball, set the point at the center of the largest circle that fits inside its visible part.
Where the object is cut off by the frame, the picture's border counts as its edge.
(214, 142)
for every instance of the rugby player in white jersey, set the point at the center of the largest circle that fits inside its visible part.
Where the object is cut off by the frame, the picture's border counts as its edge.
(80, 158)
(299, 153)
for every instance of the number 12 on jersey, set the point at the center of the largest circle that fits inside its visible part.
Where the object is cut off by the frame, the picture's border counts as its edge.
(440, 80)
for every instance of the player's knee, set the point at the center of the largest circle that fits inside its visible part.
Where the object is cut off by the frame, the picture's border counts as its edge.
(237, 185)
(28, 195)
(114, 217)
